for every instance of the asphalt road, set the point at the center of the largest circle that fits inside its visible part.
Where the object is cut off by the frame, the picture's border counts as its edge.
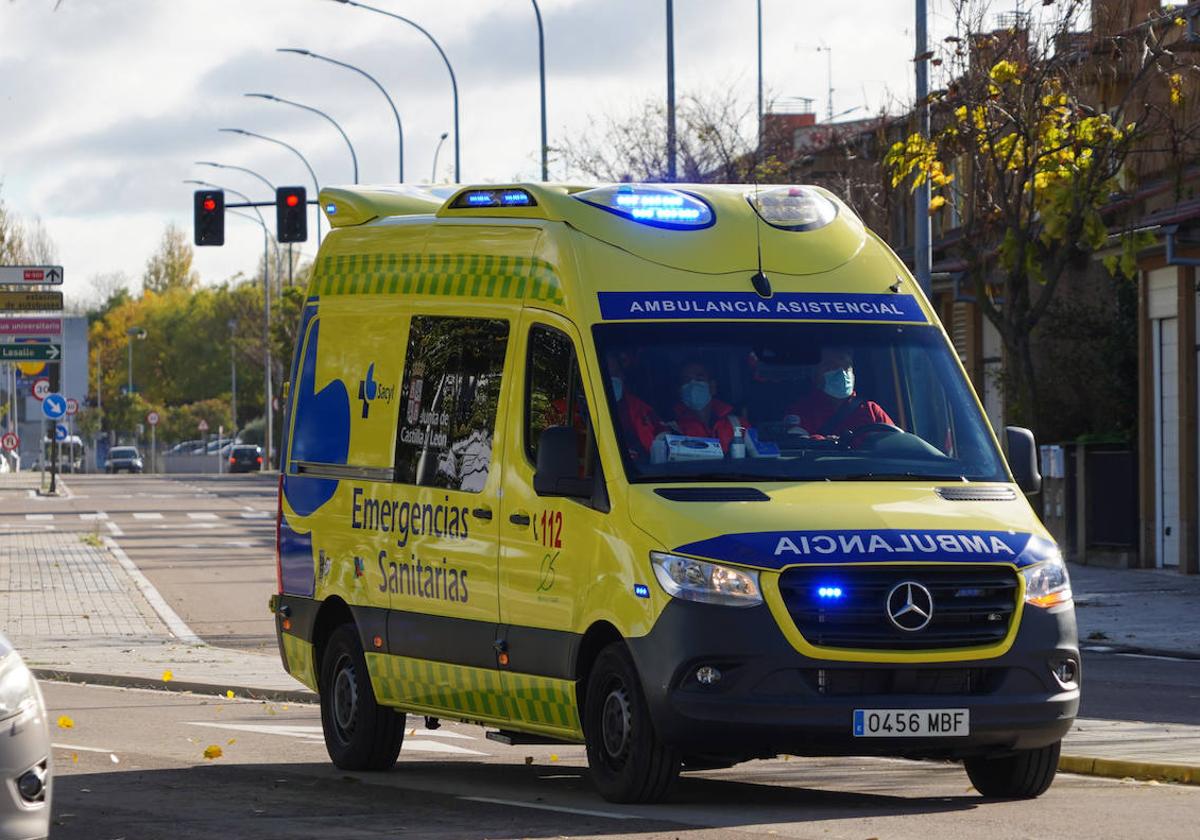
(274, 779)
(207, 544)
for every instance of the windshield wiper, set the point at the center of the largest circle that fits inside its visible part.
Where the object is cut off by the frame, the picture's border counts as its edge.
(895, 476)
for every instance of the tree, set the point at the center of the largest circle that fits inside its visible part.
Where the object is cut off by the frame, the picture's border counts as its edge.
(170, 267)
(1039, 128)
(712, 144)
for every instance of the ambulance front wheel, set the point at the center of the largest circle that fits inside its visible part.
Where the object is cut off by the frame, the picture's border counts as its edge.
(1024, 775)
(628, 761)
(360, 734)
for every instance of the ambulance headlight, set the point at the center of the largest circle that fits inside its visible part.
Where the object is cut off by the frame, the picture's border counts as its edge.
(17, 689)
(708, 583)
(792, 208)
(1047, 583)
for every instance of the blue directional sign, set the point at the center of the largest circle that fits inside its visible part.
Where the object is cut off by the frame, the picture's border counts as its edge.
(54, 406)
(60, 432)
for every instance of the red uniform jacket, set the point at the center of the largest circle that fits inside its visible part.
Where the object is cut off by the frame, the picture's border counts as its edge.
(816, 408)
(639, 423)
(693, 425)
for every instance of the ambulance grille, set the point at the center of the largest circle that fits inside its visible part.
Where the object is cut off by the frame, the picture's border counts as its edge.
(973, 606)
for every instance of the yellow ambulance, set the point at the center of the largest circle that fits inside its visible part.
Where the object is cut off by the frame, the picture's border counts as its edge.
(689, 474)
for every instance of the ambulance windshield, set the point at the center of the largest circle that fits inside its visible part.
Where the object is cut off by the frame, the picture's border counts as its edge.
(791, 402)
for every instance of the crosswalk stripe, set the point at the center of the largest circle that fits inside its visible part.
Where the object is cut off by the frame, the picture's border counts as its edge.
(147, 516)
(202, 516)
(92, 517)
(258, 514)
(39, 517)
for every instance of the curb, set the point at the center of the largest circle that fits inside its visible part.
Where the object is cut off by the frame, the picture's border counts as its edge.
(1099, 646)
(276, 695)
(1114, 768)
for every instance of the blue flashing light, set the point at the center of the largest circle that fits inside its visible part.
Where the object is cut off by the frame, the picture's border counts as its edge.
(829, 593)
(331, 209)
(656, 206)
(494, 198)
(641, 590)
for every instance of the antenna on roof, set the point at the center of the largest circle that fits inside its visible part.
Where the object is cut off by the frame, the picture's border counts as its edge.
(761, 283)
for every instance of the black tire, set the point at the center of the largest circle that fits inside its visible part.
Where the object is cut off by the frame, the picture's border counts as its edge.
(360, 734)
(628, 761)
(1025, 775)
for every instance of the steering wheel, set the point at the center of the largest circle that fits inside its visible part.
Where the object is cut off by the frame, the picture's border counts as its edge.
(868, 431)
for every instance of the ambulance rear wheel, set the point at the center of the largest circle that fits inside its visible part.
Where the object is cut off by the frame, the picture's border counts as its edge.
(628, 761)
(1025, 775)
(360, 734)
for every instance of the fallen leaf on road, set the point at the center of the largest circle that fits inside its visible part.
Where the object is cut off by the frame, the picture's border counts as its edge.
(167, 676)
(553, 757)
(229, 694)
(114, 758)
(74, 758)
(231, 742)
(65, 722)
(529, 759)
(212, 751)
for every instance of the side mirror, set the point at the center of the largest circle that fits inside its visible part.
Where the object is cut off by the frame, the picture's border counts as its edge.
(558, 465)
(1023, 458)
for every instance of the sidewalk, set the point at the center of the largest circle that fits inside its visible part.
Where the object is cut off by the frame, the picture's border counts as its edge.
(78, 610)
(1150, 611)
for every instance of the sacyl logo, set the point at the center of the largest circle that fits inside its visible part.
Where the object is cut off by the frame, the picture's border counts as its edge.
(369, 390)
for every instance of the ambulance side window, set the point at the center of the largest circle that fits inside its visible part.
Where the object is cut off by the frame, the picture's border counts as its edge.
(554, 393)
(448, 399)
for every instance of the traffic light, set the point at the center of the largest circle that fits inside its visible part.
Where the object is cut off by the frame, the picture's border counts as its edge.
(291, 214)
(209, 215)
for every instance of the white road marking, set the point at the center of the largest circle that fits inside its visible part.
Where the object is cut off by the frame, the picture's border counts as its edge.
(192, 526)
(1156, 656)
(147, 516)
(174, 623)
(78, 748)
(258, 514)
(39, 517)
(91, 517)
(537, 806)
(202, 516)
(114, 528)
(314, 734)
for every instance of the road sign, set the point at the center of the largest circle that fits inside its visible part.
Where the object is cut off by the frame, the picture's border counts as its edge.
(9, 442)
(30, 352)
(31, 326)
(31, 301)
(60, 432)
(202, 425)
(31, 275)
(152, 418)
(41, 387)
(72, 406)
(54, 406)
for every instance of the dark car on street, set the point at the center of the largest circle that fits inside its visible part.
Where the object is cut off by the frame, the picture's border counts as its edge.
(125, 458)
(245, 458)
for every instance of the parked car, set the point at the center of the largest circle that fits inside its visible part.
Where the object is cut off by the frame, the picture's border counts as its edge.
(185, 447)
(245, 458)
(25, 770)
(123, 458)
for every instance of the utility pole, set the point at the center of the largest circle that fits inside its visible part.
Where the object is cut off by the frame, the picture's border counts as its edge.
(670, 90)
(760, 79)
(233, 374)
(922, 239)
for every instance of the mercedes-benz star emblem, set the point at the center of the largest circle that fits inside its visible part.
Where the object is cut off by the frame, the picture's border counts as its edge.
(910, 606)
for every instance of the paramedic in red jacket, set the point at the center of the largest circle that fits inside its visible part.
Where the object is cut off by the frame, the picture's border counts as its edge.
(699, 413)
(639, 423)
(831, 407)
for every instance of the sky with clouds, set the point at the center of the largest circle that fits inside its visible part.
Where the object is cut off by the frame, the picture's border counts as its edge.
(107, 104)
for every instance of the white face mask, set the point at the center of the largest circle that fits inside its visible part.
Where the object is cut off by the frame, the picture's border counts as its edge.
(695, 394)
(618, 387)
(839, 384)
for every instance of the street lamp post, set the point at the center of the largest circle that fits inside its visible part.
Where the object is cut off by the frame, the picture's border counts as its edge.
(437, 149)
(132, 333)
(233, 373)
(266, 330)
(670, 90)
(294, 151)
(542, 78)
(372, 80)
(333, 122)
(446, 61)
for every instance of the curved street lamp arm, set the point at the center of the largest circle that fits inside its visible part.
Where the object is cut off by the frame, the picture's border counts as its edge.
(320, 113)
(270, 186)
(441, 52)
(293, 150)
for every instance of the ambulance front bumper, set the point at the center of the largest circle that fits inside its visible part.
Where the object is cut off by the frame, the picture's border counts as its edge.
(772, 700)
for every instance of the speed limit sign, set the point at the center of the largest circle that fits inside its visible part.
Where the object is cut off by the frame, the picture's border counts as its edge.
(152, 418)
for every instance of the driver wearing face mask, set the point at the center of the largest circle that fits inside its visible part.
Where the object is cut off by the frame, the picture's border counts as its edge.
(832, 407)
(699, 413)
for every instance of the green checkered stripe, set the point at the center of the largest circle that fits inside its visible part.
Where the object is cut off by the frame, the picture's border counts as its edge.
(461, 275)
(299, 655)
(474, 692)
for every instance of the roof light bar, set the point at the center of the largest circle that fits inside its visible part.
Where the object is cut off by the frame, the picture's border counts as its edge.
(511, 197)
(660, 207)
